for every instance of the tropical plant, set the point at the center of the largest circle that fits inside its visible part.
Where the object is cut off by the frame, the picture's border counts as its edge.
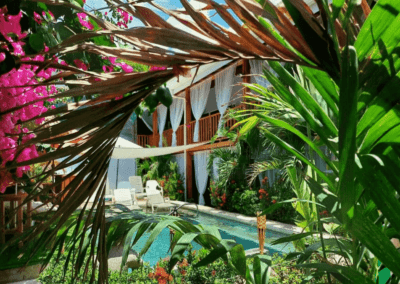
(359, 136)
(349, 51)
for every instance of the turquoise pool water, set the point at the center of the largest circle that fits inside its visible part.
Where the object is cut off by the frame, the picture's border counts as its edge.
(243, 234)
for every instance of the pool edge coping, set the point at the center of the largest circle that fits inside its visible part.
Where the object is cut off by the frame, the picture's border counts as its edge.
(278, 227)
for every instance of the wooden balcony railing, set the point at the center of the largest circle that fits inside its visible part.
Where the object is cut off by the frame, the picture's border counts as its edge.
(15, 225)
(208, 126)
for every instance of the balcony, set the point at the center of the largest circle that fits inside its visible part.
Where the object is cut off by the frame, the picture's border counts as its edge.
(208, 126)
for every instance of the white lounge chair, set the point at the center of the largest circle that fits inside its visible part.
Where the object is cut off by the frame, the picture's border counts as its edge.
(157, 201)
(123, 196)
(137, 186)
(151, 188)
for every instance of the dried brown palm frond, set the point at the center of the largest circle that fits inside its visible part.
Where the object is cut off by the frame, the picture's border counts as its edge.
(96, 123)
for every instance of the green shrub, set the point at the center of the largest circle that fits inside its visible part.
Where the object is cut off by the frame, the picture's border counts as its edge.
(246, 202)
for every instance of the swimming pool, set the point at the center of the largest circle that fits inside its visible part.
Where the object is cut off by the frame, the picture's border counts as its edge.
(243, 234)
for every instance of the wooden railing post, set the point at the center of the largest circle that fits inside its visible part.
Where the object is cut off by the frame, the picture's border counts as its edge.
(189, 179)
(2, 222)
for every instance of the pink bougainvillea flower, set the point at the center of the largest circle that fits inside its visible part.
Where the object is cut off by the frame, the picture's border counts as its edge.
(46, 48)
(2, 56)
(157, 68)
(119, 97)
(84, 22)
(112, 60)
(108, 68)
(9, 24)
(51, 14)
(105, 14)
(127, 68)
(130, 18)
(18, 48)
(78, 63)
(37, 18)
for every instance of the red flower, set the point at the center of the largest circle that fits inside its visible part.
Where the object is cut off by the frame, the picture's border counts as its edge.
(183, 272)
(274, 201)
(213, 273)
(233, 182)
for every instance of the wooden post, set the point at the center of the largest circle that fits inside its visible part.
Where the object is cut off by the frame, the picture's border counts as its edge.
(246, 78)
(189, 179)
(29, 214)
(20, 216)
(155, 130)
(2, 222)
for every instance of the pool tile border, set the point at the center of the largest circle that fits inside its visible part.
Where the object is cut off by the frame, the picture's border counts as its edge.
(252, 221)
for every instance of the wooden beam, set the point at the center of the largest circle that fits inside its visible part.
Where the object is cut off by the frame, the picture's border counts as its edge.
(155, 130)
(211, 146)
(189, 158)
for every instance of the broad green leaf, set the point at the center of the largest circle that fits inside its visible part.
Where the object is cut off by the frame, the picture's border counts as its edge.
(372, 178)
(389, 121)
(292, 238)
(351, 275)
(305, 97)
(251, 122)
(292, 129)
(128, 240)
(325, 86)
(317, 38)
(180, 248)
(154, 233)
(283, 91)
(36, 41)
(378, 22)
(221, 250)
(347, 129)
(238, 258)
(337, 6)
(299, 155)
(261, 269)
(376, 241)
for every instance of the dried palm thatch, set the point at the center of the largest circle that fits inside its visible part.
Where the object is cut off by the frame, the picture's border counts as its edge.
(267, 33)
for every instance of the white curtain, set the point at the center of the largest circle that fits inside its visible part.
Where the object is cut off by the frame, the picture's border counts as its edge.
(161, 119)
(256, 67)
(147, 119)
(223, 89)
(176, 112)
(201, 176)
(180, 160)
(198, 101)
(271, 174)
(215, 172)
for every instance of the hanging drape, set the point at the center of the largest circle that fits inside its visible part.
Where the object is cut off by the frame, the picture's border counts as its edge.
(256, 68)
(176, 112)
(198, 101)
(147, 119)
(201, 176)
(223, 89)
(180, 160)
(215, 172)
(270, 174)
(161, 119)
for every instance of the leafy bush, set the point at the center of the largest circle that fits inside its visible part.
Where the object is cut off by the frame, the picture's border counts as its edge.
(186, 272)
(246, 202)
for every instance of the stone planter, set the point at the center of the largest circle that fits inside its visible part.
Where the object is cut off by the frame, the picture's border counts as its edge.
(20, 274)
